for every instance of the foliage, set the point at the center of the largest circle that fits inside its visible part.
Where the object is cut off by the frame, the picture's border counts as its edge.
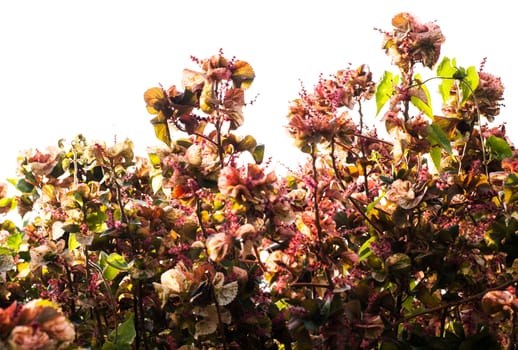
(399, 243)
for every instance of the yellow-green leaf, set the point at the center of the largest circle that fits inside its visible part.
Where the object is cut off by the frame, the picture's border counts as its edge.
(436, 136)
(385, 89)
(445, 70)
(242, 74)
(208, 100)
(161, 128)
(469, 83)
(154, 98)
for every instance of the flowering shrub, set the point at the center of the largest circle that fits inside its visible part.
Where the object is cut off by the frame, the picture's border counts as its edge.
(374, 243)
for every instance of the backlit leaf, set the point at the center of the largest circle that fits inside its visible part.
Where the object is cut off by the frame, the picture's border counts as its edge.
(154, 99)
(511, 188)
(469, 83)
(258, 154)
(125, 333)
(365, 249)
(248, 143)
(436, 155)
(14, 241)
(117, 261)
(208, 99)
(96, 221)
(161, 128)
(72, 242)
(385, 89)
(420, 98)
(446, 69)
(242, 74)
(437, 136)
(499, 148)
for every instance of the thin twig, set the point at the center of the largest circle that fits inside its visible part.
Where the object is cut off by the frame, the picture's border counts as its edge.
(455, 303)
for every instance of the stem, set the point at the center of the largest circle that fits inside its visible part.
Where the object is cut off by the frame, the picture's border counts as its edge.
(443, 321)
(219, 143)
(199, 216)
(112, 302)
(221, 326)
(455, 303)
(335, 167)
(373, 139)
(316, 208)
(309, 284)
(179, 127)
(365, 217)
(141, 313)
(71, 286)
(257, 256)
(315, 194)
(136, 320)
(364, 155)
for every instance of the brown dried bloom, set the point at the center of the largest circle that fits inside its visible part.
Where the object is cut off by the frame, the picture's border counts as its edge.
(488, 94)
(412, 42)
(400, 191)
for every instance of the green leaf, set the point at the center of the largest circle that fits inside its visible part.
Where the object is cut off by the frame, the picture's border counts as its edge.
(499, 148)
(436, 155)
(96, 221)
(111, 346)
(24, 186)
(420, 97)
(437, 136)
(258, 154)
(422, 106)
(385, 89)
(248, 143)
(511, 188)
(14, 241)
(125, 333)
(7, 202)
(161, 128)
(365, 249)
(111, 265)
(72, 242)
(117, 261)
(469, 83)
(446, 69)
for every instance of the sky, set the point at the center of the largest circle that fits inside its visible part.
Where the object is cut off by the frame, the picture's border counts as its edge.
(70, 67)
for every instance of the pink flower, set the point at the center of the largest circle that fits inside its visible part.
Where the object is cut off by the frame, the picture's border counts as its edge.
(496, 300)
(400, 191)
(42, 164)
(30, 338)
(176, 281)
(218, 245)
(231, 184)
(60, 328)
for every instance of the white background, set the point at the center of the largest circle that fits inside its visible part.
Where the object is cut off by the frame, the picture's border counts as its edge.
(69, 67)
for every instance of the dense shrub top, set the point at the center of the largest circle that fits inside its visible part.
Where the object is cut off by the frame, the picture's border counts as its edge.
(402, 242)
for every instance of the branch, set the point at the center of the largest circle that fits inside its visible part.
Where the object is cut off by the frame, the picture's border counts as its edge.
(456, 303)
